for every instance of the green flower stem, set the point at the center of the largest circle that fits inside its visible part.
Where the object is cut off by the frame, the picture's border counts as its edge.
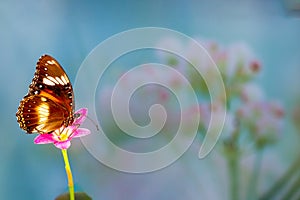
(69, 174)
(294, 168)
(252, 187)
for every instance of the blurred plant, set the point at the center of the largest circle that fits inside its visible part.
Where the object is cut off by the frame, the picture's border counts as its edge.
(251, 119)
(252, 123)
(287, 186)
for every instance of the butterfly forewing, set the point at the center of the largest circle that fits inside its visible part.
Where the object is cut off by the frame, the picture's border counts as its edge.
(50, 101)
(51, 80)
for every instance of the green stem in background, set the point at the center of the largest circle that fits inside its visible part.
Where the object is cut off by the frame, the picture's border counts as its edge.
(232, 153)
(282, 182)
(233, 159)
(69, 174)
(252, 187)
(233, 167)
(293, 190)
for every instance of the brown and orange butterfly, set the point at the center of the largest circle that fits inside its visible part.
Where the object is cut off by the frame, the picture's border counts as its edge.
(49, 103)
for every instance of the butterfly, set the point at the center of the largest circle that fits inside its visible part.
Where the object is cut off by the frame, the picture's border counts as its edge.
(49, 104)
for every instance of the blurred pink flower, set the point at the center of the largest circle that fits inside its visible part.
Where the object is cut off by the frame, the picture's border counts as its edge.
(62, 137)
(241, 62)
(251, 92)
(206, 110)
(264, 120)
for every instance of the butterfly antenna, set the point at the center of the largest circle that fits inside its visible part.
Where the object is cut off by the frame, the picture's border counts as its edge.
(95, 124)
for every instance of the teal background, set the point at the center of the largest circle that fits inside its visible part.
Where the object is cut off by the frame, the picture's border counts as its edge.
(69, 30)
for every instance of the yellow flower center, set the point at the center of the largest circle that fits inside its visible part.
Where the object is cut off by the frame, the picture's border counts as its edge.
(62, 134)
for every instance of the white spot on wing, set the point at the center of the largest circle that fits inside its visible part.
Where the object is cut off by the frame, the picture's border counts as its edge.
(59, 80)
(39, 127)
(52, 79)
(43, 113)
(51, 62)
(47, 81)
(64, 79)
(44, 109)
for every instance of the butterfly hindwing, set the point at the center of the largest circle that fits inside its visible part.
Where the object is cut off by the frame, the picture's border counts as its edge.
(50, 101)
(40, 114)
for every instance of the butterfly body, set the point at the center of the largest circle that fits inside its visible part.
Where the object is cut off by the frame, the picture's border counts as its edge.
(49, 103)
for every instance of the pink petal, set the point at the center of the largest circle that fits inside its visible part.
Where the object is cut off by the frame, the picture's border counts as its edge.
(82, 115)
(81, 132)
(43, 139)
(63, 145)
(72, 128)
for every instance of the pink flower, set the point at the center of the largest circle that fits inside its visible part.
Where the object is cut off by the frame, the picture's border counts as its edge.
(62, 137)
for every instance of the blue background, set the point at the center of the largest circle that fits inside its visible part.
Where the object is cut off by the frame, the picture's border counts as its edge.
(69, 30)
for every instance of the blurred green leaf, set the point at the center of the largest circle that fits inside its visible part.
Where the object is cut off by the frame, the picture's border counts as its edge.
(78, 196)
